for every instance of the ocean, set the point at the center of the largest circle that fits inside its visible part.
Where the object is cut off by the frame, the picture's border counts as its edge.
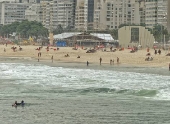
(73, 93)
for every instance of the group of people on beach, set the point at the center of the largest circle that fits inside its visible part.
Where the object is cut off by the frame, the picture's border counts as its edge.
(159, 51)
(111, 61)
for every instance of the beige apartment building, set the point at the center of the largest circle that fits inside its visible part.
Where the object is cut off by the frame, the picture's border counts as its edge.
(168, 16)
(53, 13)
(81, 15)
(11, 12)
(112, 13)
(33, 13)
(64, 13)
(155, 12)
(84, 18)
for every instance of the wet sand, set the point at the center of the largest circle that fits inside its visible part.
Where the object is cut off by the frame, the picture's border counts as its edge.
(125, 57)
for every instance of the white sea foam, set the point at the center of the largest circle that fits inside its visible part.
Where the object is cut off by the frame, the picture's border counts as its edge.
(48, 77)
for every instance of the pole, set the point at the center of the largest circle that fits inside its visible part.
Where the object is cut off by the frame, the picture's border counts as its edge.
(164, 44)
(161, 36)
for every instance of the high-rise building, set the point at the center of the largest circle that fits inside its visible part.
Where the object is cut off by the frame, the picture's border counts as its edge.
(84, 17)
(27, 1)
(111, 14)
(33, 13)
(81, 20)
(168, 16)
(11, 12)
(64, 13)
(155, 12)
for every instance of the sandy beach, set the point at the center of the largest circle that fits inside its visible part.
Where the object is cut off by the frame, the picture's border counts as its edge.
(125, 57)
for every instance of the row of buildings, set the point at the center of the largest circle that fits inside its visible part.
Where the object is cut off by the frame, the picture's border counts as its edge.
(86, 14)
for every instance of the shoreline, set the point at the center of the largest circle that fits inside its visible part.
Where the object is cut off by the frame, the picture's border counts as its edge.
(80, 65)
(60, 62)
(136, 59)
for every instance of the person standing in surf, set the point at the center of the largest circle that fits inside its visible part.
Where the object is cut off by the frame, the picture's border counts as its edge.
(100, 60)
(52, 58)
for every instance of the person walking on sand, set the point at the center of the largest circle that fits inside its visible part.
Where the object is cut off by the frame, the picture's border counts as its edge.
(100, 60)
(52, 58)
(117, 60)
(169, 66)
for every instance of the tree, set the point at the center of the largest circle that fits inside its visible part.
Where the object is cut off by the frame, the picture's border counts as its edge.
(58, 30)
(24, 29)
(159, 31)
(114, 33)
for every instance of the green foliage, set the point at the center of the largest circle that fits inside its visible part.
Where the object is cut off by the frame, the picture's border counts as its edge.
(58, 30)
(158, 32)
(128, 24)
(24, 29)
(114, 33)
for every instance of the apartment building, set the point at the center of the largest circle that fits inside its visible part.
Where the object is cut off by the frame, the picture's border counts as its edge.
(11, 12)
(112, 13)
(64, 13)
(81, 20)
(27, 1)
(142, 11)
(162, 12)
(155, 12)
(84, 17)
(168, 16)
(33, 13)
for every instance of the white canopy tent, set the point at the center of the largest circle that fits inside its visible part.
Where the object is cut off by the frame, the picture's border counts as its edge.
(104, 37)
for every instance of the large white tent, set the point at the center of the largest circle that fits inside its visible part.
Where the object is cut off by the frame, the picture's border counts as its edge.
(104, 37)
(66, 35)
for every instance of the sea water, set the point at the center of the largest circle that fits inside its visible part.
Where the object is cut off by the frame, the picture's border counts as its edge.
(87, 95)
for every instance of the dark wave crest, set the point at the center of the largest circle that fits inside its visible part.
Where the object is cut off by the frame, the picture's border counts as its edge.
(86, 91)
(143, 92)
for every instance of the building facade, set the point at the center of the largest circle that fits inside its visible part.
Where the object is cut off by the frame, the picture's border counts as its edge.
(82, 14)
(64, 13)
(112, 13)
(155, 12)
(81, 17)
(168, 16)
(135, 36)
(33, 13)
(11, 12)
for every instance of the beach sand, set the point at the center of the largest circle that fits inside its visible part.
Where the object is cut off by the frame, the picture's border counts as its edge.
(125, 57)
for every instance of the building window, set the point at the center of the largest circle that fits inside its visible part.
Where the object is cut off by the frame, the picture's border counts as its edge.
(134, 35)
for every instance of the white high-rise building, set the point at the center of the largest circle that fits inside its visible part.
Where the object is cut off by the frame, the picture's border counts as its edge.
(11, 12)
